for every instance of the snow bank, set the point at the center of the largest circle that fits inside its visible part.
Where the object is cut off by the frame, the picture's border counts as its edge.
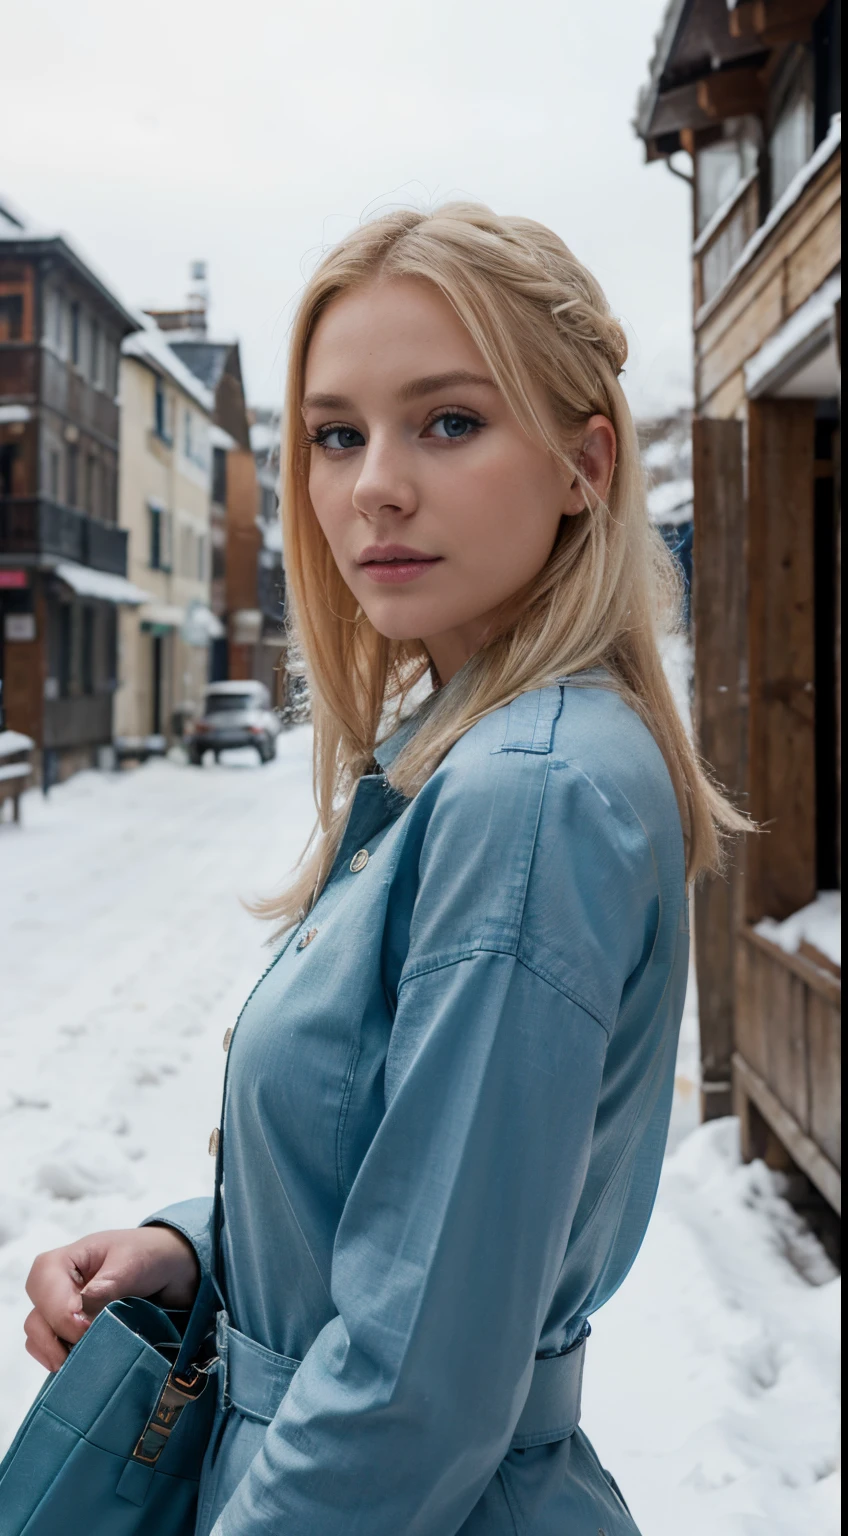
(14, 741)
(819, 924)
(671, 502)
(712, 1377)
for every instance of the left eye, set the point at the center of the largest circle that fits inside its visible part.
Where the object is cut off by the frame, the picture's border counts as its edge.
(453, 426)
(339, 437)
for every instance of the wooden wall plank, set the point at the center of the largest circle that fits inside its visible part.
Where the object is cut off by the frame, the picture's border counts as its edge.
(823, 194)
(763, 316)
(824, 1028)
(814, 261)
(718, 618)
(781, 861)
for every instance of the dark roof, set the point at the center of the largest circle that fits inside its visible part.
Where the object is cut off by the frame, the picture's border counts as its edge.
(693, 41)
(206, 359)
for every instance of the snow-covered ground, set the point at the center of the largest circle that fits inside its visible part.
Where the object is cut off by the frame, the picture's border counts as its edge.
(711, 1379)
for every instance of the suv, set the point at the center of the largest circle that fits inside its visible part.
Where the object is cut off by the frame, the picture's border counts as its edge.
(234, 715)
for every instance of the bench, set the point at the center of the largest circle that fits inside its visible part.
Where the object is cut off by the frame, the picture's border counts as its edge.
(15, 769)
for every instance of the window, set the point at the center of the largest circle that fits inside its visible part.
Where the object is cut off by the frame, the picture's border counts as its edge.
(95, 353)
(724, 165)
(75, 333)
(187, 434)
(91, 485)
(160, 538)
(58, 321)
(791, 137)
(54, 474)
(219, 476)
(8, 460)
(73, 475)
(11, 316)
(201, 556)
(87, 650)
(161, 411)
(65, 647)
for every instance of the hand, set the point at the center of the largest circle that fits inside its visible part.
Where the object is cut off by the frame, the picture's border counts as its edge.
(69, 1286)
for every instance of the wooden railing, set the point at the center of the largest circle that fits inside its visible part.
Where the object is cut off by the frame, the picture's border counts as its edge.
(32, 525)
(722, 242)
(786, 1068)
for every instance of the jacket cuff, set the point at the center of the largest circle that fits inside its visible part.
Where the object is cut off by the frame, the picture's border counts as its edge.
(193, 1218)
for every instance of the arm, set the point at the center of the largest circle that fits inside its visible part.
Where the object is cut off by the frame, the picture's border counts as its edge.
(192, 1218)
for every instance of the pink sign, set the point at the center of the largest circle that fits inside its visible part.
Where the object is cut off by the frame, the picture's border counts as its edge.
(13, 579)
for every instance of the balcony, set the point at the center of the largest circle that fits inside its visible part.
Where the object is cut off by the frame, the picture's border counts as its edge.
(33, 526)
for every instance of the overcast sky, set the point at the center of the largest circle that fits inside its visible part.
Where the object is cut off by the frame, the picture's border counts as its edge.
(254, 134)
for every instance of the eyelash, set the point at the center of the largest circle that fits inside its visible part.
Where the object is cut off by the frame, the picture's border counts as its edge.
(318, 439)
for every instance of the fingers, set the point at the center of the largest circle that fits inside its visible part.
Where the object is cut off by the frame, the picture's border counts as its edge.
(54, 1288)
(42, 1343)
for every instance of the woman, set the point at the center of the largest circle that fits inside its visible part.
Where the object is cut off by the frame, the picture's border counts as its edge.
(448, 1099)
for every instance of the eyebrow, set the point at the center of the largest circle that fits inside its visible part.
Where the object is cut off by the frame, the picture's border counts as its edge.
(414, 390)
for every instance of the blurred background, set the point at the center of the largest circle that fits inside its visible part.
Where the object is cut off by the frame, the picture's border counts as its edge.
(166, 183)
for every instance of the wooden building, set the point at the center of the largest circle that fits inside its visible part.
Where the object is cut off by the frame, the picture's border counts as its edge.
(63, 557)
(751, 92)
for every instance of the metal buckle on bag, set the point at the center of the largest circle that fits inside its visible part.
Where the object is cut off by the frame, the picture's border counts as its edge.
(176, 1394)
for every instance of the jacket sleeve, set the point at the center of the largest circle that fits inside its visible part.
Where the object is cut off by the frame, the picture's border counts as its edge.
(194, 1219)
(456, 1225)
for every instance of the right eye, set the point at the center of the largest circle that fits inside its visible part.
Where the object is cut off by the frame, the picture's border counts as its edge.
(337, 439)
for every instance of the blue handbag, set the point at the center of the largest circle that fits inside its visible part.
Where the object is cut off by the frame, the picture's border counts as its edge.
(114, 1442)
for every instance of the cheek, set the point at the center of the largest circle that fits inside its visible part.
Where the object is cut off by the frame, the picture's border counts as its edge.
(330, 501)
(508, 504)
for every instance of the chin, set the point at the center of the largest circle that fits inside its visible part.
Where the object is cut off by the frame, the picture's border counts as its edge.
(402, 621)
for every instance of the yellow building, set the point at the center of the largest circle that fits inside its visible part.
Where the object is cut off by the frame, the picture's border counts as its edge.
(164, 504)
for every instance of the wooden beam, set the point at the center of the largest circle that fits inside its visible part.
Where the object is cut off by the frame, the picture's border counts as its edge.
(732, 93)
(748, 1087)
(741, 20)
(774, 22)
(718, 616)
(781, 860)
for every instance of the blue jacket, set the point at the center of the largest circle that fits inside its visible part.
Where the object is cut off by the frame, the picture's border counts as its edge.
(446, 1112)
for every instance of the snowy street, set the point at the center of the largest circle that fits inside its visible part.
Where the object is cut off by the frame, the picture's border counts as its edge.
(711, 1385)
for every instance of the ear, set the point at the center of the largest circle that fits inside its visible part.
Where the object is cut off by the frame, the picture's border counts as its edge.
(596, 462)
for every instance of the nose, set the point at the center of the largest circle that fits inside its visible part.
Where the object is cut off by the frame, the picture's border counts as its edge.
(384, 484)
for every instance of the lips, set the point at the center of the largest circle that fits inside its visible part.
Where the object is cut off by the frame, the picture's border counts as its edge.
(395, 563)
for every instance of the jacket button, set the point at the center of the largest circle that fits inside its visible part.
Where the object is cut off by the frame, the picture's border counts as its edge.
(359, 860)
(213, 1142)
(307, 938)
(227, 1038)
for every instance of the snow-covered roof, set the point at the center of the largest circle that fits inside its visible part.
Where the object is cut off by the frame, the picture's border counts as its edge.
(87, 582)
(671, 502)
(150, 345)
(803, 333)
(218, 438)
(206, 359)
(9, 414)
(17, 228)
(819, 924)
(827, 148)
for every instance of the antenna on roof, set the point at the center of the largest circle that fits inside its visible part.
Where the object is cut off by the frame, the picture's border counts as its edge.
(198, 295)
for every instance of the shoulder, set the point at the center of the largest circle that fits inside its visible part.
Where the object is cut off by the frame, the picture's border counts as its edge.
(536, 837)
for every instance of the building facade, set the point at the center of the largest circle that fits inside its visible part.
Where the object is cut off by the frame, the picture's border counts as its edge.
(165, 507)
(63, 555)
(265, 431)
(751, 91)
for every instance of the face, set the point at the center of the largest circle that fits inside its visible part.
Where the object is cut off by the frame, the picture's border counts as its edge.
(436, 504)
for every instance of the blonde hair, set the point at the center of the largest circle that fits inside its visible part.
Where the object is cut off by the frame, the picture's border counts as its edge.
(544, 327)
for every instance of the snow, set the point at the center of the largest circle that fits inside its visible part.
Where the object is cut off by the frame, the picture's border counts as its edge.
(663, 454)
(671, 502)
(711, 1378)
(264, 436)
(14, 741)
(218, 438)
(819, 924)
(828, 146)
(13, 414)
(818, 314)
(150, 345)
(87, 582)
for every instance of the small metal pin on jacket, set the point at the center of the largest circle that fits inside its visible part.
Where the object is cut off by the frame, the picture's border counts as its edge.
(213, 1142)
(227, 1038)
(359, 860)
(307, 938)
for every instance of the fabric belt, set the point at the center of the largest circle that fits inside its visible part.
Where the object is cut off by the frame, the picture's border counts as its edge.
(254, 1380)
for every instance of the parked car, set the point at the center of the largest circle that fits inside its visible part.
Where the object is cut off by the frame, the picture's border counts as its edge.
(233, 715)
